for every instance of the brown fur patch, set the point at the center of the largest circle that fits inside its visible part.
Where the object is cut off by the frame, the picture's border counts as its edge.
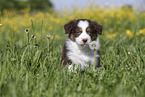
(64, 59)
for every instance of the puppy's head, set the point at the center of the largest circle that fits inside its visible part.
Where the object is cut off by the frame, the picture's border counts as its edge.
(83, 31)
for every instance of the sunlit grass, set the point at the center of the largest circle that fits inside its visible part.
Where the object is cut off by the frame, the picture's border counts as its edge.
(30, 62)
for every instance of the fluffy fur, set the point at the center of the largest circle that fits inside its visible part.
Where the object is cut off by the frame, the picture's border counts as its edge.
(76, 52)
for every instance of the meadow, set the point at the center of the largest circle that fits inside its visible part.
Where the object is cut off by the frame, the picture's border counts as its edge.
(30, 58)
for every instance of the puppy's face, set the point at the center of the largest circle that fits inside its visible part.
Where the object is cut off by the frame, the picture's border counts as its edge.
(83, 31)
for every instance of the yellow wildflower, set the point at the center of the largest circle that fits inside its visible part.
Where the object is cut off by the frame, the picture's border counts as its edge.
(1, 25)
(48, 36)
(142, 31)
(51, 37)
(58, 37)
(129, 33)
(112, 35)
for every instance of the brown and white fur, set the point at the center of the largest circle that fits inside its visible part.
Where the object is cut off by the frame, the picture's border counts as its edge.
(76, 52)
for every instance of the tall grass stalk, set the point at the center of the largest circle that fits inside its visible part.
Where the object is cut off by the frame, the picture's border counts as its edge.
(94, 60)
(28, 42)
(48, 38)
(41, 32)
(13, 39)
(33, 30)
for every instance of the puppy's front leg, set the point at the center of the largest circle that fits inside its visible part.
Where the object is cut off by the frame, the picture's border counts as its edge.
(97, 64)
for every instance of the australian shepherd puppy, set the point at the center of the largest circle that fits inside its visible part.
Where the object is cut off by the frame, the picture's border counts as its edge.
(76, 51)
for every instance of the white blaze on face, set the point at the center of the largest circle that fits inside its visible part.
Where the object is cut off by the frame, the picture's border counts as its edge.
(84, 35)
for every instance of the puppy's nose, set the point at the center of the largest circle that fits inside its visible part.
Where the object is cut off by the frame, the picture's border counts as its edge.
(85, 40)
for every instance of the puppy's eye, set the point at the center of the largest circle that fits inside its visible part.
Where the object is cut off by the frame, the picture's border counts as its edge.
(78, 32)
(89, 32)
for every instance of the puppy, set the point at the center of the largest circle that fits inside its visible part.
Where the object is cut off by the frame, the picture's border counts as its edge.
(76, 52)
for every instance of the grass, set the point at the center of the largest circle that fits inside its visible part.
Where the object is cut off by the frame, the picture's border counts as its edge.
(28, 71)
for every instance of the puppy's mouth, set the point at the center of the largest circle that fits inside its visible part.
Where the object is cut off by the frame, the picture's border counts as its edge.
(84, 44)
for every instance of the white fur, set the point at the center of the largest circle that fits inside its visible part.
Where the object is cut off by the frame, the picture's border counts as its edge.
(81, 56)
(84, 35)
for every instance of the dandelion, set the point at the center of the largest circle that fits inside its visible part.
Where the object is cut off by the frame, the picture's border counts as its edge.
(28, 36)
(142, 31)
(48, 36)
(129, 33)
(94, 46)
(52, 37)
(112, 35)
(27, 30)
(1, 25)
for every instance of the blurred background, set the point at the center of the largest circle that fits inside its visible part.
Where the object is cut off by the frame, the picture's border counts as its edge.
(69, 4)
(36, 5)
(119, 18)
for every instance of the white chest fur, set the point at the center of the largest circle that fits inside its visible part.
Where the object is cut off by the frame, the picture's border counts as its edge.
(81, 56)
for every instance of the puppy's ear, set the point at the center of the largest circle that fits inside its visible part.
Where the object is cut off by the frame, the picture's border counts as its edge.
(70, 26)
(97, 27)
